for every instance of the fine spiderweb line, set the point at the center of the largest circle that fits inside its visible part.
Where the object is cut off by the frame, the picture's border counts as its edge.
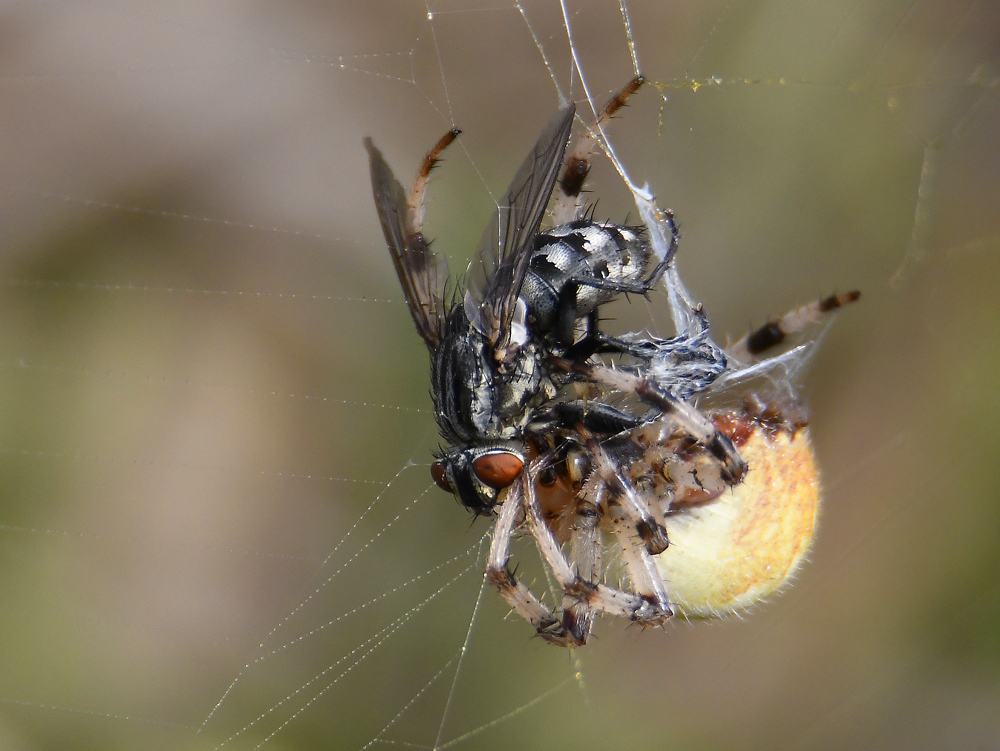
(470, 553)
(917, 248)
(24, 365)
(94, 713)
(407, 707)
(304, 601)
(461, 657)
(457, 660)
(530, 704)
(149, 288)
(99, 459)
(167, 214)
(361, 652)
(96, 537)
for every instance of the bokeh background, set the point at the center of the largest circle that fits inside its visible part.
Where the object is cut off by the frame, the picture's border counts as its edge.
(215, 423)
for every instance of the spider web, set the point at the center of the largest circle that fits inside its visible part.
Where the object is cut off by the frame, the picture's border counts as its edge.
(218, 529)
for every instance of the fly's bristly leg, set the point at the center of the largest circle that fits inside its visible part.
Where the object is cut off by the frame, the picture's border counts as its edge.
(641, 287)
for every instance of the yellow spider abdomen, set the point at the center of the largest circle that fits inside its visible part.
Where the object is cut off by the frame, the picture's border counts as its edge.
(738, 549)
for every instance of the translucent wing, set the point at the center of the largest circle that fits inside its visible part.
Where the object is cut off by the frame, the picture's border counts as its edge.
(502, 258)
(420, 274)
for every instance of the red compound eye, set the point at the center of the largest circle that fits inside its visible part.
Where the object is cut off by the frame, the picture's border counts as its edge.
(438, 473)
(498, 470)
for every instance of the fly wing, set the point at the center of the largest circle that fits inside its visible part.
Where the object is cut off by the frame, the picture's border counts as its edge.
(502, 258)
(420, 274)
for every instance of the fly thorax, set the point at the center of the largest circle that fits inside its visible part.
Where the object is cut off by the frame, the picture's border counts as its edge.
(463, 382)
(521, 387)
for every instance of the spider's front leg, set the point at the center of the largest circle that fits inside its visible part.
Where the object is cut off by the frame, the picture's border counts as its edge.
(585, 543)
(646, 521)
(638, 525)
(521, 600)
(648, 605)
(771, 334)
(684, 415)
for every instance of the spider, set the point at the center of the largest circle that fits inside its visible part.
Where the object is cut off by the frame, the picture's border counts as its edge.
(561, 430)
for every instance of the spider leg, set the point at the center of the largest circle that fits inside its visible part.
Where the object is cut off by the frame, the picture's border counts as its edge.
(517, 595)
(693, 422)
(632, 518)
(642, 571)
(774, 332)
(567, 202)
(649, 527)
(585, 558)
(696, 425)
(589, 594)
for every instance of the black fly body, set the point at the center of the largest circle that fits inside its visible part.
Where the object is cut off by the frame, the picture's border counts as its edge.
(490, 372)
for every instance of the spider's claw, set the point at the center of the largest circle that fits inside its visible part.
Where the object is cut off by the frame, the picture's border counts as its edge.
(554, 632)
(654, 536)
(652, 614)
(577, 628)
(733, 468)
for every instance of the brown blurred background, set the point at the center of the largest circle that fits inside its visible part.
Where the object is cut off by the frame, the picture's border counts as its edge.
(212, 393)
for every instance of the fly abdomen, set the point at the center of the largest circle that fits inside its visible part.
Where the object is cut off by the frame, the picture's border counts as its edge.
(576, 267)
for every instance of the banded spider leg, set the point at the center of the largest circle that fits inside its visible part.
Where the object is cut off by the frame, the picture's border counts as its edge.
(578, 575)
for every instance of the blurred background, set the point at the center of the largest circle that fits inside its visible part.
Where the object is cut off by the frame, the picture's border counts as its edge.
(216, 523)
